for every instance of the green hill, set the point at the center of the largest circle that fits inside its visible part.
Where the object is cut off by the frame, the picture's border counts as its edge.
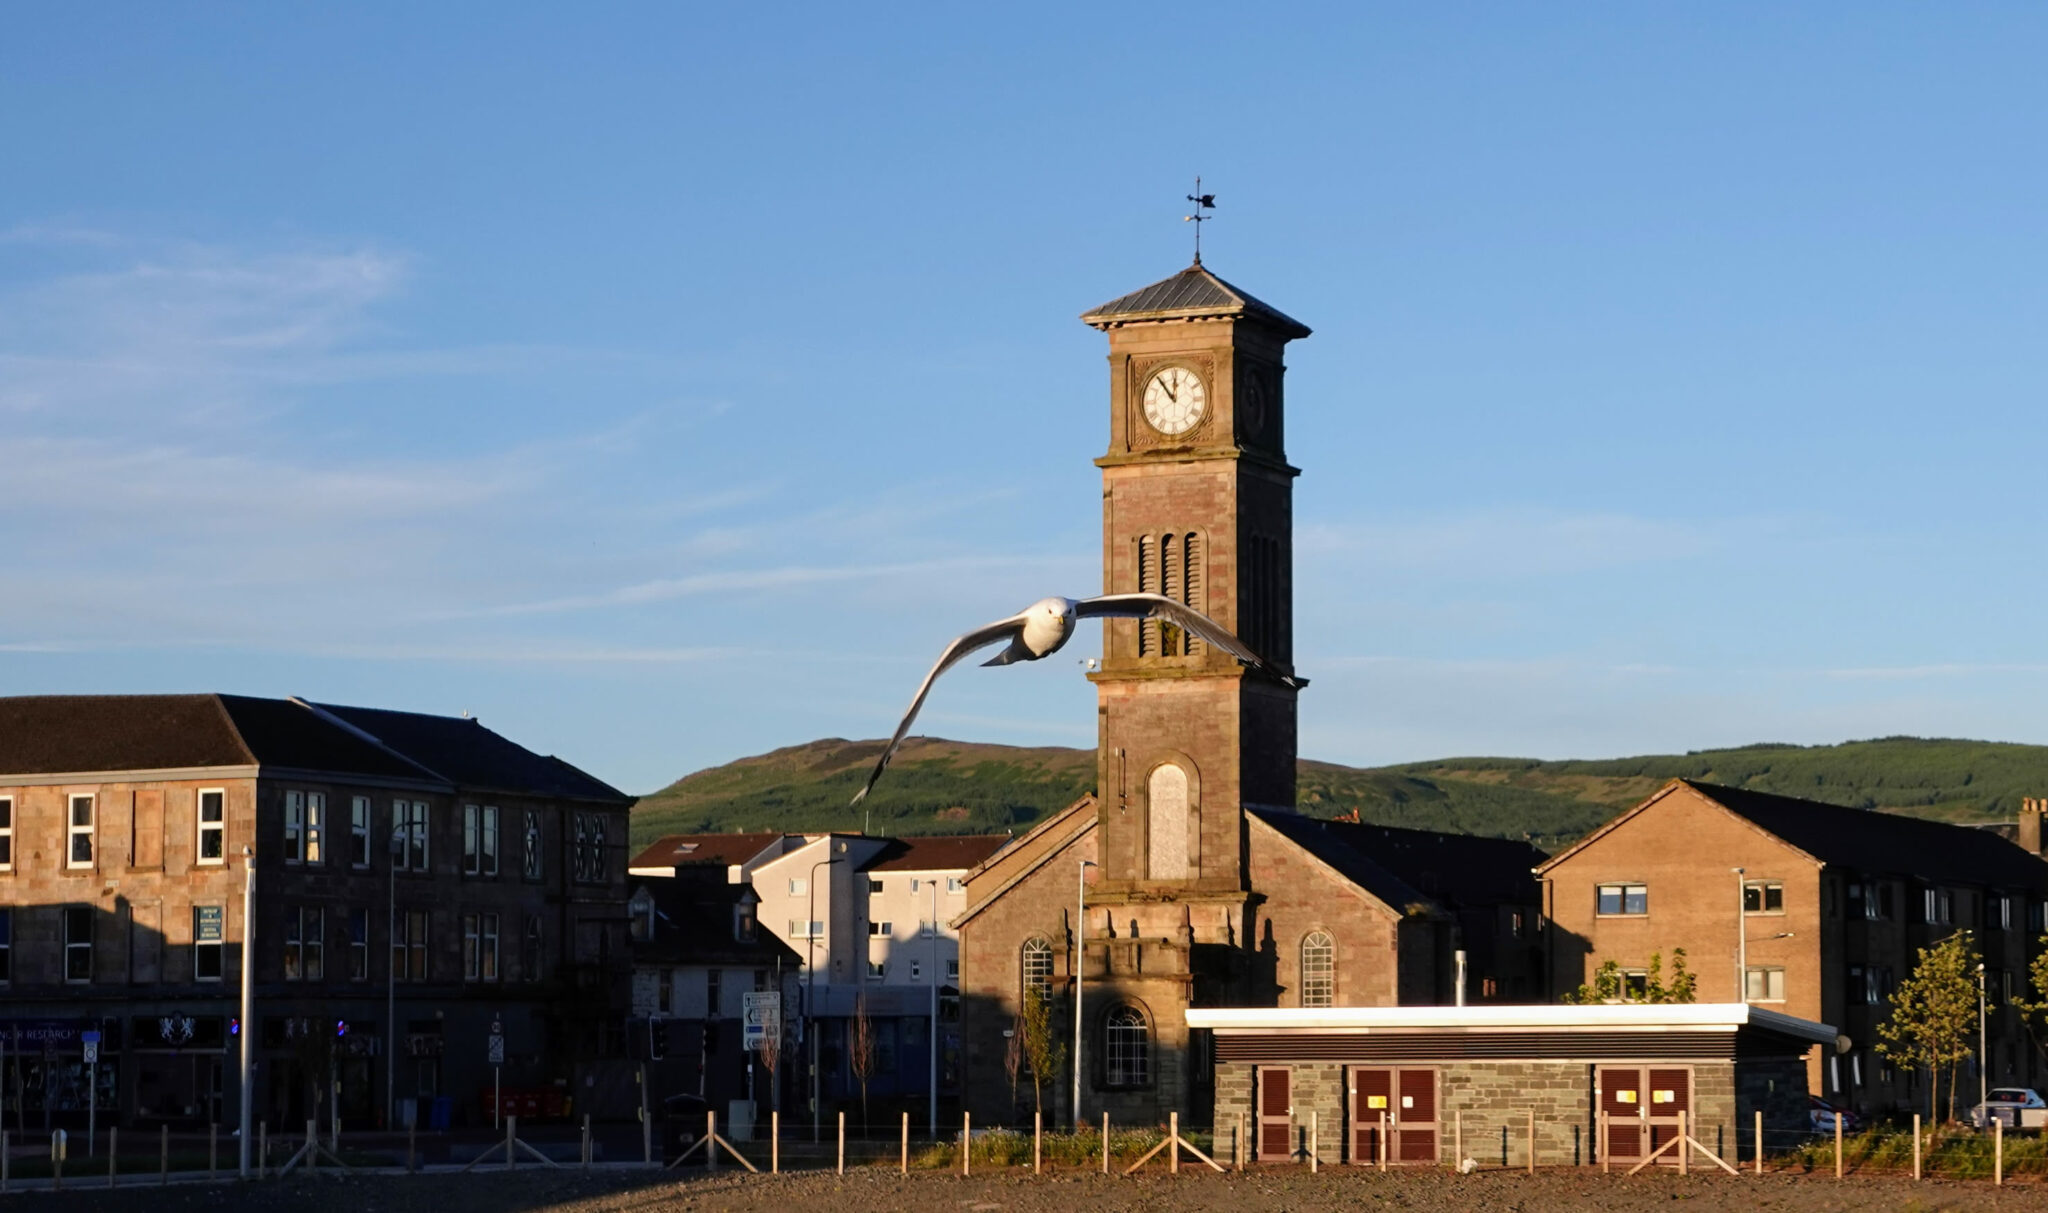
(939, 786)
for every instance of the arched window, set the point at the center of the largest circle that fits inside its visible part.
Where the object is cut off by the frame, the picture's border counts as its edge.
(1167, 822)
(1037, 971)
(1126, 1048)
(1318, 970)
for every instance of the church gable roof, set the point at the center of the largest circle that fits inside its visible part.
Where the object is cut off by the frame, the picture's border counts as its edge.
(1194, 292)
(1403, 867)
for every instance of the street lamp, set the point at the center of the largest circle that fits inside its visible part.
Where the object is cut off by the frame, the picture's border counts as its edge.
(811, 976)
(247, 1026)
(933, 1033)
(1741, 937)
(1080, 962)
(397, 848)
(1983, 1095)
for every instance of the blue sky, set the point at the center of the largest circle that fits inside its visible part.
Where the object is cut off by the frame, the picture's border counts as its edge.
(664, 384)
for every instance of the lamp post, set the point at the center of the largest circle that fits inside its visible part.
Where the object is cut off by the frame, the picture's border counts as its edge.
(248, 1024)
(933, 1034)
(396, 848)
(1983, 1083)
(811, 977)
(1741, 937)
(1080, 962)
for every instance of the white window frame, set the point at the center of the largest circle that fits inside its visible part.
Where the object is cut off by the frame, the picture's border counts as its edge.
(916, 969)
(480, 946)
(1318, 969)
(218, 947)
(358, 944)
(74, 831)
(412, 817)
(71, 944)
(1763, 888)
(217, 827)
(6, 833)
(879, 930)
(359, 833)
(878, 970)
(955, 885)
(480, 840)
(294, 827)
(799, 886)
(1626, 887)
(532, 866)
(797, 931)
(1759, 977)
(875, 887)
(316, 828)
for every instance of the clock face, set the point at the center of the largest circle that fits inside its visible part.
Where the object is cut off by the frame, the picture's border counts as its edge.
(1175, 401)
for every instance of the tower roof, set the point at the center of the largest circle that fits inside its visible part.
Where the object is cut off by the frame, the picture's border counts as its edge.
(1190, 294)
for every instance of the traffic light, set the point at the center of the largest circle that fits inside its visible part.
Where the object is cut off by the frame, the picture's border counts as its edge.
(710, 1038)
(657, 1038)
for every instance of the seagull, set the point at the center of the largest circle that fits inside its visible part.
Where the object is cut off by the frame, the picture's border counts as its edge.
(1042, 628)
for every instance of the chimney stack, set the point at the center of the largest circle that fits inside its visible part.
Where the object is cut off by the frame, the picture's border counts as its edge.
(2031, 809)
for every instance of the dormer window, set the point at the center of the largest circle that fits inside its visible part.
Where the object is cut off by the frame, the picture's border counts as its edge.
(744, 916)
(641, 911)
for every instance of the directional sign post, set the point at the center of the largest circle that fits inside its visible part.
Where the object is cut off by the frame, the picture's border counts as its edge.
(762, 1018)
(91, 1041)
(497, 1057)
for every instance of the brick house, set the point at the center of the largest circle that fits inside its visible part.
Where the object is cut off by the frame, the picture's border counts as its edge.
(421, 857)
(1827, 914)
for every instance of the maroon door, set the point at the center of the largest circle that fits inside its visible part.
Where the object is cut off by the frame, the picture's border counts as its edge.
(1415, 1110)
(1372, 1104)
(1623, 1098)
(1276, 1114)
(1670, 1093)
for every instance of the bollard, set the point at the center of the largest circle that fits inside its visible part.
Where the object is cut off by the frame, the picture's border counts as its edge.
(1532, 1142)
(1760, 1141)
(1916, 1146)
(1315, 1143)
(1173, 1143)
(213, 1150)
(111, 1139)
(1997, 1152)
(842, 1143)
(966, 1144)
(586, 1144)
(904, 1161)
(775, 1142)
(412, 1136)
(163, 1155)
(1105, 1143)
(262, 1146)
(1838, 1145)
(511, 1136)
(3, 1162)
(1037, 1141)
(1684, 1145)
(57, 1152)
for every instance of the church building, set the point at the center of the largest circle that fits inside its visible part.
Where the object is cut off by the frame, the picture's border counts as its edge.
(1187, 880)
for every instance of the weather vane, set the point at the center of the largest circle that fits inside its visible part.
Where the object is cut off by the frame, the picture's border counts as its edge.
(1202, 202)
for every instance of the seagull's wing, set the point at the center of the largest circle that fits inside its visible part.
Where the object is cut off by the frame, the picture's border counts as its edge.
(1157, 606)
(979, 638)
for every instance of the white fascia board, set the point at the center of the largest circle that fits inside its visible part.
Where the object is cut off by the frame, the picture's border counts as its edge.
(1642, 1017)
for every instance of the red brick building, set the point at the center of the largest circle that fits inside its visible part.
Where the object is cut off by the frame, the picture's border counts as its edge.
(421, 857)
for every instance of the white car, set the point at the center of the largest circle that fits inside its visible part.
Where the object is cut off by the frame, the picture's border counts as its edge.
(2018, 1107)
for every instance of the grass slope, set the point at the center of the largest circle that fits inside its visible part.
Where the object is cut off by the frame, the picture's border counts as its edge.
(936, 786)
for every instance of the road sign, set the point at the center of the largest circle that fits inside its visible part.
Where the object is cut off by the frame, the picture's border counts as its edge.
(497, 1043)
(761, 1012)
(91, 1041)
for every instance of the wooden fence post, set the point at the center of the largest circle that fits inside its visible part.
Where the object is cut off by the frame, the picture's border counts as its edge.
(1838, 1145)
(1037, 1140)
(1684, 1144)
(1758, 1145)
(1601, 1143)
(1458, 1137)
(775, 1142)
(1916, 1146)
(711, 1140)
(1241, 1146)
(1998, 1153)
(966, 1144)
(1532, 1139)
(1380, 1146)
(1105, 1143)
(841, 1165)
(906, 1144)
(1315, 1140)
(1173, 1146)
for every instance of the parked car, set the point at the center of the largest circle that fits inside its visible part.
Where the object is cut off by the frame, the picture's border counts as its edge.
(682, 1123)
(1822, 1115)
(2018, 1107)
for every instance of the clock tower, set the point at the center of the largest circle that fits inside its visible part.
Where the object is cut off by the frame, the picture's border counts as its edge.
(1197, 504)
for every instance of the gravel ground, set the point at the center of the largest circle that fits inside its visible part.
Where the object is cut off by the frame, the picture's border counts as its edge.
(934, 1192)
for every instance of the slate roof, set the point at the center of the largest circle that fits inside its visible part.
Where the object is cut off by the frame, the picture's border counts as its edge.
(688, 850)
(693, 924)
(1876, 842)
(1195, 291)
(467, 753)
(937, 854)
(1404, 867)
(58, 734)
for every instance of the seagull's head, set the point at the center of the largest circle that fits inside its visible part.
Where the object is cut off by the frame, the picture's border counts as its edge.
(1058, 611)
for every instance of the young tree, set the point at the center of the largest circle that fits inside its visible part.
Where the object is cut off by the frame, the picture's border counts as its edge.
(1933, 1021)
(1013, 1057)
(2034, 1011)
(1610, 985)
(1043, 1052)
(860, 1052)
(769, 1054)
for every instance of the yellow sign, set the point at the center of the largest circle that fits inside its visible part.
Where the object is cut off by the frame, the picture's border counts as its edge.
(1624, 1097)
(1375, 1101)
(1663, 1097)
